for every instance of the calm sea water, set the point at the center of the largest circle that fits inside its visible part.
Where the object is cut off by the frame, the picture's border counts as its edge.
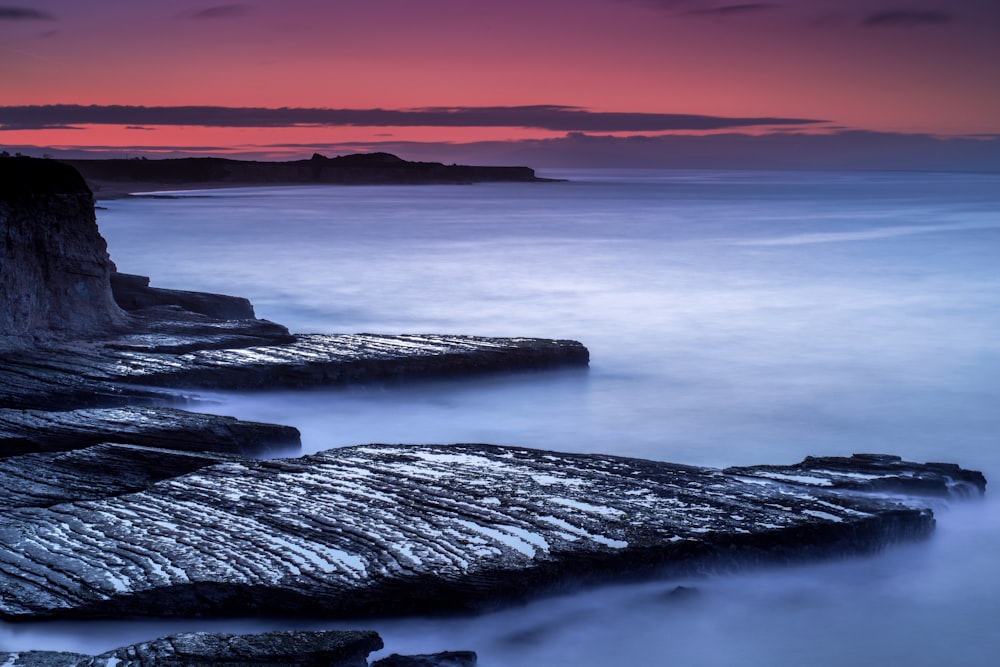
(732, 318)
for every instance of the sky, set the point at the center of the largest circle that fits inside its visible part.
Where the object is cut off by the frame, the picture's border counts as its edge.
(564, 82)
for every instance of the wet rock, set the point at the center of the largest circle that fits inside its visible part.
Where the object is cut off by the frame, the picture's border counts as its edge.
(133, 293)
(120, 370)
(873, 473)
(443, 659)
(331, 648)
(54, 264)
(102, 471)
(24, 431)
(383, 529)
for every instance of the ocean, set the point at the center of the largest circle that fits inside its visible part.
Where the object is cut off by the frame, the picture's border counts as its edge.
(733, 317)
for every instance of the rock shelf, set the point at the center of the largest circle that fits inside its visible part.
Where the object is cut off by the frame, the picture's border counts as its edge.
(390, 529)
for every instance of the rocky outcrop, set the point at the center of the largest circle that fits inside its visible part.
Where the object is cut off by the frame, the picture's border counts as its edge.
(24, 431)
(66, 340)
(133, 292)
(54, 264)
(382, 529)
(120, 370)
(873, 473)
(323, 648)
(444, 659)
(330, 648)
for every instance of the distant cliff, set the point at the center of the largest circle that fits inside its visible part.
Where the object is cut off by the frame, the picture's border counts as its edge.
(357, 169)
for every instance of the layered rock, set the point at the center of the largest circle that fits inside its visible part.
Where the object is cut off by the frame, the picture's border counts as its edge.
(54, 264)
(121, 370)
(325, 648)
(340, 648)
(24, 431)
(93, 473)
(132, 292)
(384, 529)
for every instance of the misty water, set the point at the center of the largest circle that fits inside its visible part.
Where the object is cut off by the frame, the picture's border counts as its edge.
(732, 318)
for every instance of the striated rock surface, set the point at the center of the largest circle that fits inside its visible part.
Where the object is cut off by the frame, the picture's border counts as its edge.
(102, 471)
(388, 529)
(54, 264)
(24, 431)
(873, 473)
(331, 648)
(225, 357)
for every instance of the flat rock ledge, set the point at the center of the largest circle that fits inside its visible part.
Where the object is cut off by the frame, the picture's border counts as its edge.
(330, 648)
(394, 529)
(126, 369)
(24, 431)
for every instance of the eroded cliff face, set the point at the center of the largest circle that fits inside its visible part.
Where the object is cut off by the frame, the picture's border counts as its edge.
(54, 265)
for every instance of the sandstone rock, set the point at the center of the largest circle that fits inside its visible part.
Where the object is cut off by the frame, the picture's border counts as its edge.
(331, 648)
(382, 529)
(873, 473)
(24, 431)
(101, 471)
(54, 264)
(133, 292)
(243, 355)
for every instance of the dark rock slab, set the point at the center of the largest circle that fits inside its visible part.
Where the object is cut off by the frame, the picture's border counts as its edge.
(391, 529)
(106, 373)
(329, 359)
(133, 293)
(443, 659)
(873, 473)
(330, 648)
(101, 471)
(23, 431)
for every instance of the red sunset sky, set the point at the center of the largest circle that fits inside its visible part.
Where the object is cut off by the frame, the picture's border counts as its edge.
(547, 72)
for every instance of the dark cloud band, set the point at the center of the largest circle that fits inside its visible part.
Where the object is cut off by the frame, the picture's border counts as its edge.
(543, 117)
(219, 12)
(732, 10)
(904, 17)
(23, 14)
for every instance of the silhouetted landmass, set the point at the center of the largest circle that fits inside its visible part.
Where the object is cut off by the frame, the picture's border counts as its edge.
(119, 176)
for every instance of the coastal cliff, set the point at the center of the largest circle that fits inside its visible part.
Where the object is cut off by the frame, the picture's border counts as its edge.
(55, 271)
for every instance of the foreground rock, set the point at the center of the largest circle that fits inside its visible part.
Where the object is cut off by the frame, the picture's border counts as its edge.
(202, 649)
(326, 648)
(384, 529)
